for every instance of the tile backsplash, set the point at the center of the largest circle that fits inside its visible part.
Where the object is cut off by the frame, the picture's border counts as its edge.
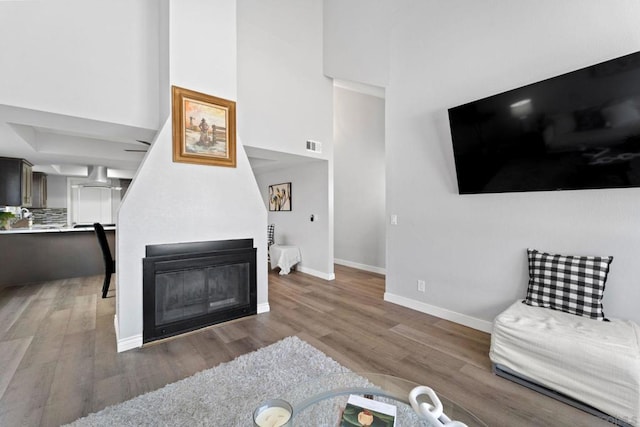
(49, 215)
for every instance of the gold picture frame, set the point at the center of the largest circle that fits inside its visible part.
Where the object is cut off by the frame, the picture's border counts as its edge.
(204, 128)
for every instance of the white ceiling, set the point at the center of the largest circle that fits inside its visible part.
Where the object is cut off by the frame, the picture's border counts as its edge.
(64, 145)
(264, 161)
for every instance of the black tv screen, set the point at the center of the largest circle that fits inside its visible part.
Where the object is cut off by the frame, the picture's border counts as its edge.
(579, 130)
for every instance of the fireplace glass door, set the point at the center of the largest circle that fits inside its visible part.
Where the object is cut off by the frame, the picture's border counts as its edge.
(185, 294)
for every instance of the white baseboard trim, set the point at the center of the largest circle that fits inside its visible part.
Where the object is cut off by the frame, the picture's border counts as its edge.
(443, 313)
(129, 343)
(365, 267)
(264, 308)
(126, 343)
(320, 274)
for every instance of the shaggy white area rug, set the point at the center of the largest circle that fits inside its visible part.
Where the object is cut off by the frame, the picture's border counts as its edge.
(225, 395)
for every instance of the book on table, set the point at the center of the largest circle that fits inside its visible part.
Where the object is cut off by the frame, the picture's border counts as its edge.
(361, 411)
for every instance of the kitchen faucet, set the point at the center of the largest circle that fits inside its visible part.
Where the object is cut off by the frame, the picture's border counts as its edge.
(26, 214)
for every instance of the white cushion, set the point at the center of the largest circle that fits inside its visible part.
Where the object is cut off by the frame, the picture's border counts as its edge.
(594, 362)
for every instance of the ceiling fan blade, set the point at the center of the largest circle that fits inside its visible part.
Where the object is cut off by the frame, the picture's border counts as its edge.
(143, 142)
(136, 151)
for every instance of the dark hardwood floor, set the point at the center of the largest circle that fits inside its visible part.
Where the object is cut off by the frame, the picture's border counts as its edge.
(58, 357)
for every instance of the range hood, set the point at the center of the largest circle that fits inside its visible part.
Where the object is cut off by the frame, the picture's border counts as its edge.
(97, 178)
(98, 174)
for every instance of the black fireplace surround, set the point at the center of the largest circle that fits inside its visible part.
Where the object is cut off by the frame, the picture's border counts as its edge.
(187, 286)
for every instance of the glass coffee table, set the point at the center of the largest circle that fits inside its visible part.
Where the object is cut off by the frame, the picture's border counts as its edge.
(320, 402)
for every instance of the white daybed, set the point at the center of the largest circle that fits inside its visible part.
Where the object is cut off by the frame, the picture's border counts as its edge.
(589, 362)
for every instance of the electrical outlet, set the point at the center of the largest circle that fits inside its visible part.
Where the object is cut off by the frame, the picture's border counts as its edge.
(422, 286)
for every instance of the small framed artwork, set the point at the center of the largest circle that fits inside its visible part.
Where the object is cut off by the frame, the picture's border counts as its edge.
(204, 128)
(280, 197)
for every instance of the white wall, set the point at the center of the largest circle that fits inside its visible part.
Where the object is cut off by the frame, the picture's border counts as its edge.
(356, 40)
(101, 59)
(359, 176)
(308, 197)
(283, 97)
(177, 202)
(471, 250)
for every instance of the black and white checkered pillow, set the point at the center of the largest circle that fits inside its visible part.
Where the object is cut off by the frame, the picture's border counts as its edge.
(270, 233)
(574, 284)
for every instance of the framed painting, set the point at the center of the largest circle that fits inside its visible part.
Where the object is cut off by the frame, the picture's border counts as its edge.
(280, 197)
(204, 128)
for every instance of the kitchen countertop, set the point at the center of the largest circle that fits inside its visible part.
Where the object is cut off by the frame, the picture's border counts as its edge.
(40, 228)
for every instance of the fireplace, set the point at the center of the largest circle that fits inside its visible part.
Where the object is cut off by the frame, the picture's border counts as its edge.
(187, 286)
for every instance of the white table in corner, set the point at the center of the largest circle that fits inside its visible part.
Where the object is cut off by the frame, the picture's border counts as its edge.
(284, 256)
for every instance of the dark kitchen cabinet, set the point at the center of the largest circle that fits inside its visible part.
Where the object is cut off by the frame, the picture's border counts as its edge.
(15, 182)
(39, 190)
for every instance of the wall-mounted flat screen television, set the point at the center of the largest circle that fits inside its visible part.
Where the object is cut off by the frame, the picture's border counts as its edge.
(579, 130)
